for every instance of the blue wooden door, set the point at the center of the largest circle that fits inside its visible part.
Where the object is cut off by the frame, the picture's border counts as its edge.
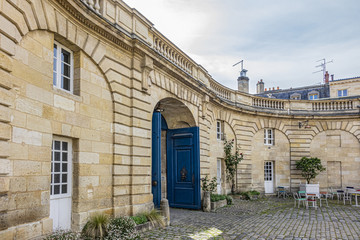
(183, 168)
(156, 158)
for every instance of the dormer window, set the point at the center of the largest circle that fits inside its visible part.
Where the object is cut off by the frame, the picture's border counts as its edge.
(295, 96)
(313, 95)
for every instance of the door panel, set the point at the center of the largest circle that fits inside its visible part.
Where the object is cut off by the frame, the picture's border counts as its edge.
(269, 177)
(61, 183)
(156, 159)
(183, 162)
(218, 176)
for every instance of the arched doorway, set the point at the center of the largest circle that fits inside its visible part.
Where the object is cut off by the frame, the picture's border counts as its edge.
(175, 155)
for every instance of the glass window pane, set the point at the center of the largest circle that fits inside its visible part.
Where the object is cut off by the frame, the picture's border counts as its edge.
(64, 156)
(64, 146)
(57, 156)
(65, 70)
(57, 145)
(56, 189)
(64, 188)
(65, 56)
(55, 50)
(56, 178)
(64, 167)
(66, 83)
(64, 178)
(57, 167)
(345, 93)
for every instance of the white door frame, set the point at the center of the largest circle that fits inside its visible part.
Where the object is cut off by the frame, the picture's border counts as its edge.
(61, 183)
(218, 176)
(269, 176)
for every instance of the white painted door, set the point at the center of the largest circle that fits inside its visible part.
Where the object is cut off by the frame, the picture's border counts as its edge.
(218, 176)
(269, 177)
(61, 183)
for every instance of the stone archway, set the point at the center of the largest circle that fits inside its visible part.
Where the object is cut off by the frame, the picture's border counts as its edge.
(175, 155)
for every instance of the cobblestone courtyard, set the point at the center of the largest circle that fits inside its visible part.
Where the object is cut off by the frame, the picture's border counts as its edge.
(269, 218)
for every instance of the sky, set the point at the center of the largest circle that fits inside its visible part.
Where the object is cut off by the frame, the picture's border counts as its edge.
(280, 41)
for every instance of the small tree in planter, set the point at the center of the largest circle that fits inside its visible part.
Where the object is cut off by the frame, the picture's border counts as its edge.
(231, 162)
(310, 167)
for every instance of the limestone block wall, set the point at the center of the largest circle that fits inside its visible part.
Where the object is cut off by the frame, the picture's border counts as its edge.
(279, 154)
(351, 85)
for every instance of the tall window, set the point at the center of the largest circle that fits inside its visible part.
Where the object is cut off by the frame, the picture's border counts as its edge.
(342, 93)
(63, 68)
(219, 130)
(269, 136)
(61, 168)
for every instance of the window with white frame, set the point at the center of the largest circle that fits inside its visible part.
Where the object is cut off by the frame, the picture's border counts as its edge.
(342, 93)
(269, 136)
(219, 130)
(61, 168)
(63, 68)
(313, 95)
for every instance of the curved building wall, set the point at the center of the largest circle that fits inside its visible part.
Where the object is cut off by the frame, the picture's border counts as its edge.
(120, 76)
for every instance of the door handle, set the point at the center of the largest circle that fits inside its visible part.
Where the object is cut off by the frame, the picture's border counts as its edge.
(154, 183)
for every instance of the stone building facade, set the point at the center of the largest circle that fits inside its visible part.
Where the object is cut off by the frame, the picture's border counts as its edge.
(93, 99)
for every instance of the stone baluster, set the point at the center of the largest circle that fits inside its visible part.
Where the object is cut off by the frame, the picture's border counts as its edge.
(97, 6)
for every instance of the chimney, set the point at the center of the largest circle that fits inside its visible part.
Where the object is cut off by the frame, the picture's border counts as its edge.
(332, 77)
(265, 89)
(260, 86)
(326, 77)
(273, 88)
(277, 88)
(243, 82)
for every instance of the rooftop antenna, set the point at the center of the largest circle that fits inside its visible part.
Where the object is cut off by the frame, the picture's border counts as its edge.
(243, 71)
(322, 65)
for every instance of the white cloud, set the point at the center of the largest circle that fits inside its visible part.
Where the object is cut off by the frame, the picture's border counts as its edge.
(280, 40)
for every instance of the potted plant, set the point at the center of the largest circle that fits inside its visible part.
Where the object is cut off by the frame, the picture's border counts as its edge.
(207, 188)
(310, 167)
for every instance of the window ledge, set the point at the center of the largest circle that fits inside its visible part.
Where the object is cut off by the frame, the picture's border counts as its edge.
(67, 94)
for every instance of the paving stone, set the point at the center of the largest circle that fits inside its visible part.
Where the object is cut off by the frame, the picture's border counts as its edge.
(267, 219)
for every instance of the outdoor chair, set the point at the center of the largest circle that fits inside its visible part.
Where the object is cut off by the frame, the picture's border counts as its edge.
(311, 198)
(348, 195)
(281, 192)
(340, 194)
(300, 200)
(302, 194)
(324, 197)
(331, 193)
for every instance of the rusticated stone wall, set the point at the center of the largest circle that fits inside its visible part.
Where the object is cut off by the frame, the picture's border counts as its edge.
(119, 79)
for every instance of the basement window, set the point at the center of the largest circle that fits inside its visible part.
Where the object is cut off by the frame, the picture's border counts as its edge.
(63, 68)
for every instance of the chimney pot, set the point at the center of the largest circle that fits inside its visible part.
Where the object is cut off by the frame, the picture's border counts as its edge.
(332, 77)
(273, 88)
(326, 77)
(265, 89)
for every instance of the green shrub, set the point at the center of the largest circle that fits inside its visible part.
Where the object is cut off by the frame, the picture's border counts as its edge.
(229, 200)
(247, 195)
(96, 227)
(63, 235)
(217, 197)
(122, 228)
(139, 219)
